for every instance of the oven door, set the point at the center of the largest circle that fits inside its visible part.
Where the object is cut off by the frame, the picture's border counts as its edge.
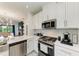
(42, 51)
(51, 51)
(45, 50)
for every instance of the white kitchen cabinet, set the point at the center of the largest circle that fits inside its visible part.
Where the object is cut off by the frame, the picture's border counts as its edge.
(72, 14)
(52, 11)
(45, 12)
(30, 45)
(37, 20)
(64, 51)
(36, 43)
(49, 11)
(66, 14)
(56, 11)
(40, 18)
(61, 17)
(34, 21)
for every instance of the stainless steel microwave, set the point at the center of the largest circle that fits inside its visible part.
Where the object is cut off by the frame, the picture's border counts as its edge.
(49, 24)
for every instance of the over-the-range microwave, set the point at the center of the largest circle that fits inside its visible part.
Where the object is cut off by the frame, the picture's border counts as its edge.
(49, 24)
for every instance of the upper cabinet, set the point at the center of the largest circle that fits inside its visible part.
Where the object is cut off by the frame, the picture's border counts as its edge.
(37, 21)
(61, 16)
(56, 11)
(49, 11)
(72, 14)
(66, 14)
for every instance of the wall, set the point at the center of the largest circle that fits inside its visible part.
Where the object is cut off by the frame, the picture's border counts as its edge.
(28, 24)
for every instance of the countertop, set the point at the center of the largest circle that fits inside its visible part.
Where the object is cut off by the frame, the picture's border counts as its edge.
(17, 39)
(75, 47)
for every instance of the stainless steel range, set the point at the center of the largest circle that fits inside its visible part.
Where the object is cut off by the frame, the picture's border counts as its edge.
(46, 46)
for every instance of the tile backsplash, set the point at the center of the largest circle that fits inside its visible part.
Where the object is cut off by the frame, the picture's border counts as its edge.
(60, 32)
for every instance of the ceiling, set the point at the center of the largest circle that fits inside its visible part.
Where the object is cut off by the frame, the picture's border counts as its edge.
(19, 8)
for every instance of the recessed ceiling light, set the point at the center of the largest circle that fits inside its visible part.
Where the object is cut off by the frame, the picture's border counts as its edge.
(27, 6)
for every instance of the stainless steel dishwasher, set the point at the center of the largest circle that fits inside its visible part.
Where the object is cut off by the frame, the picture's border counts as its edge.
(18, 48)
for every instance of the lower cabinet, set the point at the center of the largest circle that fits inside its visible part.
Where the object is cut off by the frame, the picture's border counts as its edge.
(30, 45)
(18, 49)
(36, 43)
(61, 51)
(45, 49)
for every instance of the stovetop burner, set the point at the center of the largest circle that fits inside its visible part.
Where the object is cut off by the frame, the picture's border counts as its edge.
(47, 38)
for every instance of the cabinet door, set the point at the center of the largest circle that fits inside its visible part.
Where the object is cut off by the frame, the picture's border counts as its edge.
(37, 20)
(61, 15)
(45, 13)
(39, 23)
(34, 22)
(49, 11)
(36, 43)
(52, 11)
(72, 13)
(30, 45)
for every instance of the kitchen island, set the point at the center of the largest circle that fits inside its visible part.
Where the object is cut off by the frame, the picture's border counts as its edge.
(14, 46)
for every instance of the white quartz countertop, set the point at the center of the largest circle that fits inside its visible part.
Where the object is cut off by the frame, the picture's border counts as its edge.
(18, 38)
(75, 47)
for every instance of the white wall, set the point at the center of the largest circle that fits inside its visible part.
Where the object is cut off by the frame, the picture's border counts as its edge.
(28, 23)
